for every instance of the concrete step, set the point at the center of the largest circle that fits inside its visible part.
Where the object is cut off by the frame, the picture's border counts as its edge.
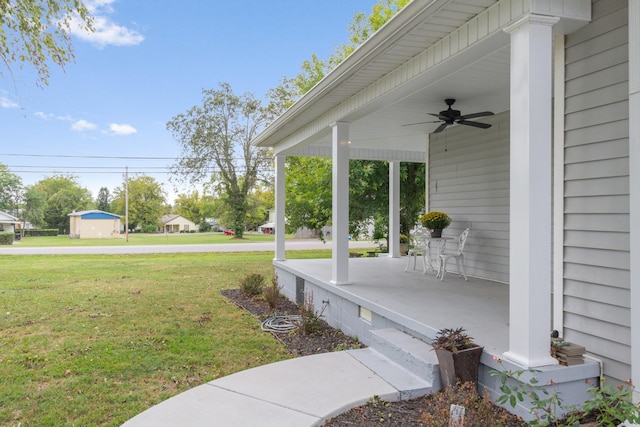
(408, 384)
(409, 352)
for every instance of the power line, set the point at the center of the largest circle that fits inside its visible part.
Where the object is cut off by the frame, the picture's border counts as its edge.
(89, 157)
(85, 167)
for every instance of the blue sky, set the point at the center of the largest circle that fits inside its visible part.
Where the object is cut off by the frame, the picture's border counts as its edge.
(147, 62)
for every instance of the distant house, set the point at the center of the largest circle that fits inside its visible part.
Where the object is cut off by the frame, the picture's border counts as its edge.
(269, 227)
(94, 224)
(8, 222)
(176, 223)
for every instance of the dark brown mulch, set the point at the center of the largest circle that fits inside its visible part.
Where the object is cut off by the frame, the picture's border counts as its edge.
(398, 414)
(326, 340)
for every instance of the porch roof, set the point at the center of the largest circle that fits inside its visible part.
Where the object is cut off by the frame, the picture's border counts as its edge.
(429, 51)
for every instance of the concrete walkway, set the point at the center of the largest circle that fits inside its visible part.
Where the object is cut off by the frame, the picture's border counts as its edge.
(298, 392)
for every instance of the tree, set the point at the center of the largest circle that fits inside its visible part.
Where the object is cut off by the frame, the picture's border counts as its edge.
(309, 203)
(103, 201)
(215, 139)
(39, 31)
(10, 190)
(308, 193)
(147, 200)
(35, 204)
(260, 201)
(63, 196)
(193, 207)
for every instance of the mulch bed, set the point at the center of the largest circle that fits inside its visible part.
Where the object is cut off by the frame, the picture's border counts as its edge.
(326, 340)
(376, 413)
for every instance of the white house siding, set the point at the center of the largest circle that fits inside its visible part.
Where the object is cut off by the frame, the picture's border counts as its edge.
(469, 180)
(596, 229)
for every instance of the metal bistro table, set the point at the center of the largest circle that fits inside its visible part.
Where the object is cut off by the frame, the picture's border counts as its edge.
(424, 246)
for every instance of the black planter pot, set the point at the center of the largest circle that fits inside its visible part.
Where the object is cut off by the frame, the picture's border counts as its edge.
(461, 366)
(436, 233)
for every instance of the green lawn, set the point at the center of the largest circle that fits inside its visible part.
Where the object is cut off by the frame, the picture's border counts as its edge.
(144, 239)
(92, 340)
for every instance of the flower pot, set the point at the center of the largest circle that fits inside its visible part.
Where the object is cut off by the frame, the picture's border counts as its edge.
(404, 248)
(460, 366)
(436, 233)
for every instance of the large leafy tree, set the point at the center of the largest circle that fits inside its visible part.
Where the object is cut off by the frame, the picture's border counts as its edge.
(38, 32)
(103, 200)
(63, 196)
(308, 190)
(11, 190)
(147, 201)
(35, 204)
(261, 200)
(215, 138)
(195, 207)
(309, 204)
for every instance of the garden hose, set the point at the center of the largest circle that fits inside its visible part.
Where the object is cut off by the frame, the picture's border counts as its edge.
(281, 323)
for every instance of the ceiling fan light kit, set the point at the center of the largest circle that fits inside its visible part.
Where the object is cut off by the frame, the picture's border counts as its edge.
(450, 117)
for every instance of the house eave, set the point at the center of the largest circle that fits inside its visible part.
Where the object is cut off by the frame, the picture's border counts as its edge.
(389, 34)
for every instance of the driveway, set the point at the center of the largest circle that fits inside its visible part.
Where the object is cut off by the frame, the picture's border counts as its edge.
(298, 244)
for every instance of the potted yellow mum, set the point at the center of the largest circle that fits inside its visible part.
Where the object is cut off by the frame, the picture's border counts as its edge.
(436, 222)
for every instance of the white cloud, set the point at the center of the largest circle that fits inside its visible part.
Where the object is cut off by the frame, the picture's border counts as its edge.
(48, 116)
(43, 116)
(83, 125)
(7, 103)
(123, 129)
(106, 31)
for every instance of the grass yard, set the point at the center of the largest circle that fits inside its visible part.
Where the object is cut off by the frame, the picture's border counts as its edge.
(144, 239)
(92, 340)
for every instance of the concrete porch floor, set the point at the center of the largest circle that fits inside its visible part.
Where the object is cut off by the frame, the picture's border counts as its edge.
(381, 298)
(421, 302)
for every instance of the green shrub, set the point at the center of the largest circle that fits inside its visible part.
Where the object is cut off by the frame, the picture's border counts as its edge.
(612, 405)
(204, 226)
(310, 318)
(272, 293)
(35, 232)
(6, 238)
(252, 285)
(149, 228)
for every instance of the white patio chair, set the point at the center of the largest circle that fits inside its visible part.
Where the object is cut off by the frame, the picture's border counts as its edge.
(420, 242)
(445, 256)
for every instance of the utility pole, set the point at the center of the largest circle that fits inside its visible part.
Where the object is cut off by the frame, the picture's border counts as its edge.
(126, 203)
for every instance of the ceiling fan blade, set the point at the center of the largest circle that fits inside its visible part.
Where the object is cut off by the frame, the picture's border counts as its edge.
(474, 115)
(421, 123)
(475, 124)
(440, 128)
(440, 116)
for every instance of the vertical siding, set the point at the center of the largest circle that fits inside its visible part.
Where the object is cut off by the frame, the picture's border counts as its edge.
(469, 180)
(596, 226)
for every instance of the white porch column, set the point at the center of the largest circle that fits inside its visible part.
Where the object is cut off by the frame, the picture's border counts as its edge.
(280, 206)
(426, 174)
(530, 193)
(340, 204)
(394, 209)
(634, 189)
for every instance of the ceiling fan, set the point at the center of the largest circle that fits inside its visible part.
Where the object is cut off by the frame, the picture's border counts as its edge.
(451, 116)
